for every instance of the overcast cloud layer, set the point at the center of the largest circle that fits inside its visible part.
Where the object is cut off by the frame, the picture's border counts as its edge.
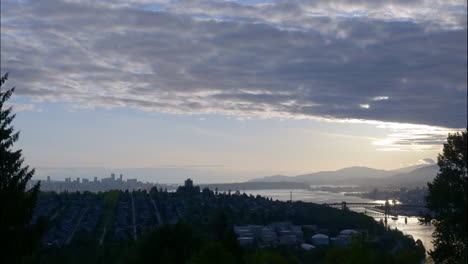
(392, 61)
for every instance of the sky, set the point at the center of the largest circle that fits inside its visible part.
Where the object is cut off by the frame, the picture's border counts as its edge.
(231, 90)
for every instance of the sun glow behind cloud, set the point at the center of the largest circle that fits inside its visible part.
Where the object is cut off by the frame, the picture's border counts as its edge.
(380, 98)
(410, 137)
(365, 106)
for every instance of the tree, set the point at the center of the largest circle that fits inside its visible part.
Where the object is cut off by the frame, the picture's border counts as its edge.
(17, 236)
(225, 235)
(174, 244)
(213, 253)
(447, 200)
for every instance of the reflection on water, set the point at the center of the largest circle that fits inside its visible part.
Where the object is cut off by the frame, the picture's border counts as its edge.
(308, 196)
(412, 227)
(409, 226)
(382, 202)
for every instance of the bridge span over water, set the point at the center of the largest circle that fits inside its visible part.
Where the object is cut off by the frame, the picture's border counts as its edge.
(381, 210)
(346, 204)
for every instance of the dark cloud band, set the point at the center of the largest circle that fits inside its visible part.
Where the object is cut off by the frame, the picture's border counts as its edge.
(369, 68)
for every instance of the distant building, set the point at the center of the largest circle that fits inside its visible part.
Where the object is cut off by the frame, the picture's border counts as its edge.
(312, 228)
(307, 246)
(96, 185)
(106, 180)
(243, 231)
(320, 239)
(245, 241)
(283, 233)
(287, 239)
(256, 230)
(344, 237)
(297, 231)
(338, 242)
(132, 181)
(188, 183)
(268, 236)
(349, 232)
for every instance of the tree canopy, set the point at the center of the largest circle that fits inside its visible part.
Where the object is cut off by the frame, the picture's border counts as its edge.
(447, 199)
(17, 202)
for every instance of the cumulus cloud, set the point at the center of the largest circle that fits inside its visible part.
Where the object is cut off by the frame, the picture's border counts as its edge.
(288, 59)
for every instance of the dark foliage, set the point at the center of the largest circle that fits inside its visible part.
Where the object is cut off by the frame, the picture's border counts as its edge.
(205, 233)
(447, 199)
(170, 244)
(361, 251)
(18, 238)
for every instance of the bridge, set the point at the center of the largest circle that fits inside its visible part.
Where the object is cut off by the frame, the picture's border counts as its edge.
(344, 205)
(376, 208)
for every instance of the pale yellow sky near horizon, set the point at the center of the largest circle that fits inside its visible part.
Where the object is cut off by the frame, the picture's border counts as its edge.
(242, 149)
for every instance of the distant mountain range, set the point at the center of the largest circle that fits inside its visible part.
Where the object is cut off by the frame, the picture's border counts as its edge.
(417, 175)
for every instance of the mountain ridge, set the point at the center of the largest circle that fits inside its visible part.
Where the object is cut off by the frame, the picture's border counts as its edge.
(417, 175)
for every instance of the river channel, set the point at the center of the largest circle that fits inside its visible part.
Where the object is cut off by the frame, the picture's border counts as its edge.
(410, 227)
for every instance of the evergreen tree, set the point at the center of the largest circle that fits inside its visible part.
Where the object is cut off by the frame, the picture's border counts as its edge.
(447, 199)
(213, 253)
(17, 236)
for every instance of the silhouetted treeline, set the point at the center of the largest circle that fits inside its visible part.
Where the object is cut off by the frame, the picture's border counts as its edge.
(193, 226)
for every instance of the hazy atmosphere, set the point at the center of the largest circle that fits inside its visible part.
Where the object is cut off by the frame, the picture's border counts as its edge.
(233, 131)
(226, 91)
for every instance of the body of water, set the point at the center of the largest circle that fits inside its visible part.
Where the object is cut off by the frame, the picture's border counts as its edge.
(411, 227)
